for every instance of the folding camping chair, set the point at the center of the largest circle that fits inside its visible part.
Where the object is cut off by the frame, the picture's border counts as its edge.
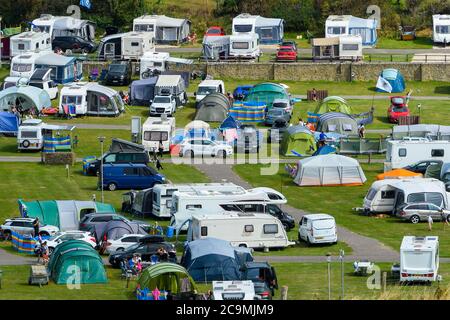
(69, 111)
(93, 74)
(102, 76)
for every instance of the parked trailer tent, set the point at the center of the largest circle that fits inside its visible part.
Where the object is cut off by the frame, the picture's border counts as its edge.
(441, 28)
(163, 29)
(244, 46)
(135, 44)
(419, 259)
(269, 30)
(346, 25)
(30, 41)
(155, 130)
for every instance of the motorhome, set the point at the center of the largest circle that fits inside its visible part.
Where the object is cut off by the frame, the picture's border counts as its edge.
(346, 25)
(24, 65)
(158, 62)
(441, 28)
(59, 26)
(401, 153)
(33, 131)
(419, 259)
(172, 85)
(233, 290)
(135, 44)
(251, 230)
(244, 46)
(162, 194)
(30, 41)
(158, 129)
(207, 87)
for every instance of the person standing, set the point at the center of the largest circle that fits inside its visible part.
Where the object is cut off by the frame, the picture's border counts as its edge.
(444, 218)
(300, 122)
(159, 166)
(430, 223)
(314, 94)
(160, 148)
(362, 131)
(36, 227)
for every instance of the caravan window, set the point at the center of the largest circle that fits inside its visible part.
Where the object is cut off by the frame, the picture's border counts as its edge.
(21, 46)
(204, 231)
(249, 228)
(442, 29)
(270, 229)
(240, 45)
(72, 100)
(28, 134)
(135, 44)
(21, 67)
(371, 194)
(388, 194)
(193, 206)
(336, 30)
(402, 152)
(437, 152)
(144, 27)
(156, 135)
(243, 28)
(350, 47)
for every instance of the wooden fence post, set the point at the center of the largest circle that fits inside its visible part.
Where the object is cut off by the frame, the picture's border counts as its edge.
(384, 280)
(284, 293)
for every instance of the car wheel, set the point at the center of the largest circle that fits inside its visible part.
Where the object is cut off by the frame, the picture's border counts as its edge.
(308, 242)
(120, 249)
(112, 186)
(286, 227)
(414, 219)
(448, 218)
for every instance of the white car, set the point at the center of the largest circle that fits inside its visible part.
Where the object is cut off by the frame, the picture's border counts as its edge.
(122, 243)
(24, 226)
(205, 147)
(163, 105)
(317, 228)
(60, 237)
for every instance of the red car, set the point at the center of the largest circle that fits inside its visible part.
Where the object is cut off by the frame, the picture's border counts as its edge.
(286, 53)
(398, 108)
(215, 31)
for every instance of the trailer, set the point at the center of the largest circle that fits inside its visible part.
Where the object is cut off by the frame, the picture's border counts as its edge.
(419, 259)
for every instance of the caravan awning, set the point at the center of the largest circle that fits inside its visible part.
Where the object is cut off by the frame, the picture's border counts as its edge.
(180, 60)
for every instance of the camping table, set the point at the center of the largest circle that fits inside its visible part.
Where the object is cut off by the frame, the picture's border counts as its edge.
(38, 275)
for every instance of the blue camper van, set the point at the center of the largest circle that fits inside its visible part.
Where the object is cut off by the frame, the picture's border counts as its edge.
(129, 176)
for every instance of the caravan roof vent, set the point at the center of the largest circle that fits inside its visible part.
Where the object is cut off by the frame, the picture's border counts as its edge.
(419, 239)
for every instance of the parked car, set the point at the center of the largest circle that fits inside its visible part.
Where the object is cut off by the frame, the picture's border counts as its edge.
(283, 104)
(215, 31)
(129, 176)
(416, 212)
(24, 226)
(286, 53)
(88, 222)
(262, 291)
(249, 138)
(122, 243)
(276, 113)
(60, 237)
(422, 166)
(146, 248)
(408, 33)
(117, 157)
(317, 228)
(291, 44)
(163, 105)
(261, 272)
(74, 44)
(286, 219)
(204, 147)
(119, 73)
(397, 109)
(276, 132)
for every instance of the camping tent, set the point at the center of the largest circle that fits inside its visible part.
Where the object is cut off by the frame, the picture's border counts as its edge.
(333, 104)
(142, 91)
(395, 79)
(298, 139)
(114, 229)
(168, 277)
(143, 203)
(213, 108)
(398, 173)
(27, 97)
(120, 145)
(325, 149)
(267, 92)
(197, 128)
(64, 69)
(76, 257)
(229, 123)
(249, 111)
(210, 259)
(9, 123)
(337, 122)
(64, 214)
(329, 170)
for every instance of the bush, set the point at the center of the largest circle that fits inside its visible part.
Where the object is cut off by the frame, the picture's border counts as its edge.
(59, 158)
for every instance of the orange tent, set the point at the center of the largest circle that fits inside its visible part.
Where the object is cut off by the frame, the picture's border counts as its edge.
(398, 173)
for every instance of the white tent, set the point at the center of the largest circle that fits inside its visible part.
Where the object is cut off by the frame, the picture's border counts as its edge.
(329, 170)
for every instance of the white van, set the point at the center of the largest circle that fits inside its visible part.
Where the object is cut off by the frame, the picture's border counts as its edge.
(419, 259)
(30, 41)
(207, 87)
(135, 44)
(317, 228)
(233, 290)
(158, 129)
(250, 230)
(245, 46)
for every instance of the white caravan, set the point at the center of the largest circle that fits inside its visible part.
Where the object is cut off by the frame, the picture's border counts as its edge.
(162, 194)
(24, 65)
(155, 130)
(419, 259)
(32, 131)
(346, 25)
(380, 197)
(30, 41)
(250, 230)
(207, 87)
(441, 28)
(244, 46)
(233, 290)
(135, 44)
(350, 48)
(146, 23)
(157, 61)
(317, 228)
(58, 26)
(401, 153)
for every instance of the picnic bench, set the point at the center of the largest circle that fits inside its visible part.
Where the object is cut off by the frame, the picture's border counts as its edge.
(320, 95)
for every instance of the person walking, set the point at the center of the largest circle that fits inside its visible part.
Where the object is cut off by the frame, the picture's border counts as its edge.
(36, 227)
(430, 223)
(362, 131)
(444, 218)
(160, 149)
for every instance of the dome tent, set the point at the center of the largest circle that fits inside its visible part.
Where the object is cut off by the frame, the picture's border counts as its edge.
(213, 108)
(267, 92)
(395, 79)
(338, 123)
(299, 139)
(333, 104)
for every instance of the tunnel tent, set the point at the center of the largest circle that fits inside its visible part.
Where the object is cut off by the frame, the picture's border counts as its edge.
(143, 91)
(395, 79)
(337, 122)
(24, 96)
(9, 123)
(298, 139)
(213, 108)
(267, 92)
(333, 104)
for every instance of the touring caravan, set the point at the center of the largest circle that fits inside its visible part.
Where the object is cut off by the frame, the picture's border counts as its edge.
(337, 48)
(401, 153)
(59, 26)
(346, 25)
(30, 41)
(158, 129)
(269, 30)
(244, 46)
(419, 259)
(251, 230)
(135, 44)
(110, 47)
(24, 65)
(33, 131)
(163, 29)
(152, 62)
(441, 28)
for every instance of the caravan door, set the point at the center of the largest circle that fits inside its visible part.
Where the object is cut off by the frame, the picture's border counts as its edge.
(110, 50)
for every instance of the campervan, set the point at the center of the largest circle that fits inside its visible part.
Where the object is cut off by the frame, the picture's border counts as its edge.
(171, 85)
(441, 28)
(207, 87)
(60, 26)
(162, 194)
(155, 130)
(419, 259)
(244, 46)
(317, 228)
(24, 65)
(346, 25)
(401, 153)
(251, 230)
(157, 62)
(32, 132)
(30, 41)
(135, 44)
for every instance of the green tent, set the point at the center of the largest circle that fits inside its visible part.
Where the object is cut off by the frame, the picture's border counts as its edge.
(267, 92)
(166, 276)
(298, 139)
(333, 104)
(73, 255)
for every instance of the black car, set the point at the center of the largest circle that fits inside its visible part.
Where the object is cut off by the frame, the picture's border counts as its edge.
(73, 43)
(262, 290)
(119, 73)
(146, 248)
(260, 272)
(116, 157)
(286, 219)
(422, 166)
(276, 132)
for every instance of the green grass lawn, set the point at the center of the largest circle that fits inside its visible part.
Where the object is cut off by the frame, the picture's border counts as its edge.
(418, 43)
(339, 201)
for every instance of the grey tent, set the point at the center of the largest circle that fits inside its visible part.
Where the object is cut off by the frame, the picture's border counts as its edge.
(120, 145)
(211, 259)
(213, 108)
(115, 229)
(337, 122)
(142, 91)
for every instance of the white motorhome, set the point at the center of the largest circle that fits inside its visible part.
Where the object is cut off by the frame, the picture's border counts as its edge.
(207, 87)
(317, 228)
(441, 28)
(32, 132)
(157, 61)
(162, 194)
(135, 44)
(24, 65)
(155, 130)
(401, 153)
(244, 46)
(233, 290)
(251, 230)
(419, 259)
(58, 26)
(30, 41)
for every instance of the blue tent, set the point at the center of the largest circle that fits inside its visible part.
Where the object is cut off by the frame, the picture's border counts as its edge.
(395, 79)
(9, 123)
(326, 149)
(142, 91)
(242, 91)
(229, 123)
(211, 259)
(24, 96)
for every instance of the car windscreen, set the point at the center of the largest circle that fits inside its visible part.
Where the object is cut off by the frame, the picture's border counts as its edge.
(162, 100)
(214, 31)
(398, 100)
(206, 90)
(276, 112)
(399, 109)
(323, 224)
(117, 68)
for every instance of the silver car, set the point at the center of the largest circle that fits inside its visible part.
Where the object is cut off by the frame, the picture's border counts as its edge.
(416, 212)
